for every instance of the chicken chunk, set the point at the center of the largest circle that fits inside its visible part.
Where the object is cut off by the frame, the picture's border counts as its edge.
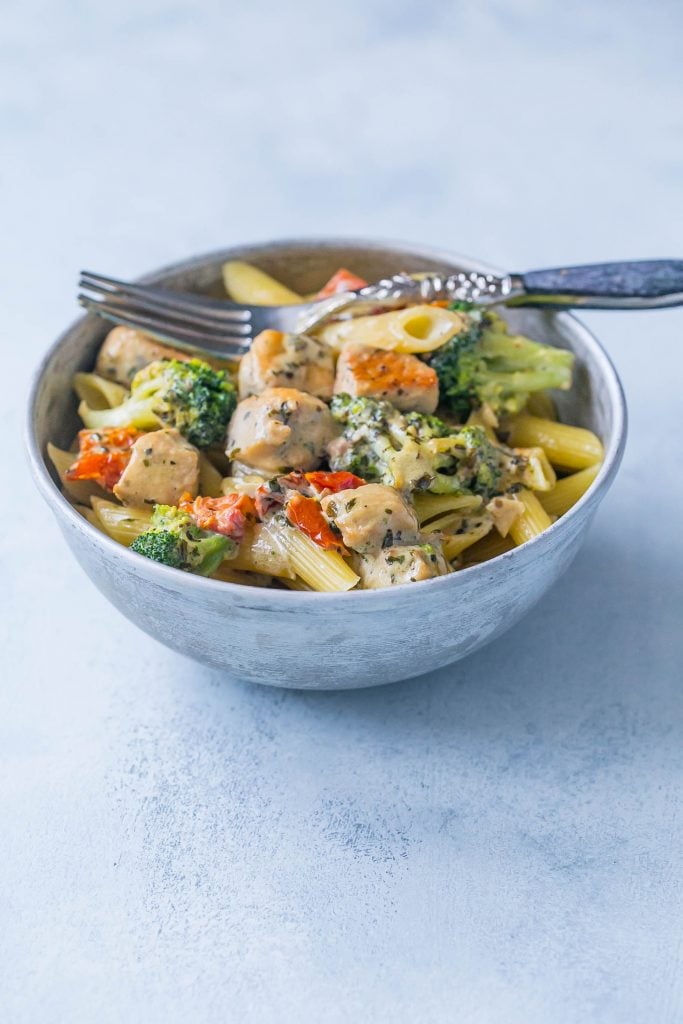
(504, 512)
(162, 467)
(402, 564)
(125, 351)
(371, 517)
(286, 360)
(281, 428)
(400, 378)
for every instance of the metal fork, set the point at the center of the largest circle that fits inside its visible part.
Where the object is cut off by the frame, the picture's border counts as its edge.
(196, 322)
(224, 328)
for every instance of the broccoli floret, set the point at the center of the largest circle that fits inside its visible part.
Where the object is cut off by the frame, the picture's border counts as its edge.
(173, 539)
(366, 447)
(413, 451)
(480, 466)
(191, 397)
(484, 363)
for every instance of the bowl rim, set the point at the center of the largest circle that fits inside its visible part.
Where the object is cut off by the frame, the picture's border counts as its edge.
(285, 598)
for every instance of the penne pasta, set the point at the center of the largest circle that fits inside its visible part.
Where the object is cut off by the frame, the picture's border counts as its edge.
(297, 584)
(80, 490)
(88, 513)
(539, 475)
(449, 522)
(486, 419)
(248, 284)
(260, 551)
(428, 506)
(98, 392)
(488, 547)
(121, 522)
(567, 447)
(533, 520)
(321, 570)
(567, 491)
(416, 329)
(247, 483)
(455, 544)
(542, 405)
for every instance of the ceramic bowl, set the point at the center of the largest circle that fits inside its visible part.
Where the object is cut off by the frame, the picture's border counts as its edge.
(327, 641)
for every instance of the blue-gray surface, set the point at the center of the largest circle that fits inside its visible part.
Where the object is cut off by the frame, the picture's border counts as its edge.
(499, 841)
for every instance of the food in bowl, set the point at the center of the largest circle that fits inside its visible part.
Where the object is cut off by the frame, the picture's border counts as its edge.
(382, 450)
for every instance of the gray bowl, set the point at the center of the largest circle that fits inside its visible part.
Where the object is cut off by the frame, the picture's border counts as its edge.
(327, 641)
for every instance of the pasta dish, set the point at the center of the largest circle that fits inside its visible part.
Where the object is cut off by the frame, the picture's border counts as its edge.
(378, 450)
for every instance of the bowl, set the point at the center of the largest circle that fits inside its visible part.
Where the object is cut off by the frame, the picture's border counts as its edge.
(327, 641)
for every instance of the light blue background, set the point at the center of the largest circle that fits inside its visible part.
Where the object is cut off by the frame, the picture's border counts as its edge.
(498, 842)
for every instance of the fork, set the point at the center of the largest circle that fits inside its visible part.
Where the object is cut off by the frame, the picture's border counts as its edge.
(226, 329)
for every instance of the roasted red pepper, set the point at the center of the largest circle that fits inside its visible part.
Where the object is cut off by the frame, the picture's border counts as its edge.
(334, 482)
(229, 515)
(305, 514)
(342, 281)
(103, 455)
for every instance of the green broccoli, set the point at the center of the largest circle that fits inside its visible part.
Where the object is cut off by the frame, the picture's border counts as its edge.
(413, 451)
(173, 539)
(189, 396)
(484, 363)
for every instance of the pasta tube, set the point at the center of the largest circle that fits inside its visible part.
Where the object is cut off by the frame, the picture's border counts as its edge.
(533, 520)
(297, 584)
(260, 551)
(567, 492)
(489, 547)
(248, 284)
(249, 483)
(416, 329)
(565, 446)
(321, 570)
(485, 418)
(456, 543)
(122, 522)
(541, 404)
(98, 392)
(538, 474)
(80, 490)
(89, 514)
(428, 506)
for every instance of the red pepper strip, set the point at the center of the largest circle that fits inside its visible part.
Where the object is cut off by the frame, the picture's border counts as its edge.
(342, 281)
(305, 514)
(229, 515)
(103, 455)
(334, 482)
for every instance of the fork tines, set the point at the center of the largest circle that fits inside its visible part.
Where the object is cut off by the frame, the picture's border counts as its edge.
(196, 322)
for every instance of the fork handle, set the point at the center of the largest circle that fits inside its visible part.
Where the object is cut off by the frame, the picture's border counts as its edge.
(642, 284)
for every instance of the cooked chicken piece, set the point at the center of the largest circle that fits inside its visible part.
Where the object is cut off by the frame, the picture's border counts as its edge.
(281, 428)
(402, 379)
(371, 517)
(504, 511)
(162, 467)
(402, 564)
(125, 351)
(286, 360)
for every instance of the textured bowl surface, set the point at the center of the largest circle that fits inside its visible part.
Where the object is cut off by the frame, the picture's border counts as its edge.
(327, 641)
